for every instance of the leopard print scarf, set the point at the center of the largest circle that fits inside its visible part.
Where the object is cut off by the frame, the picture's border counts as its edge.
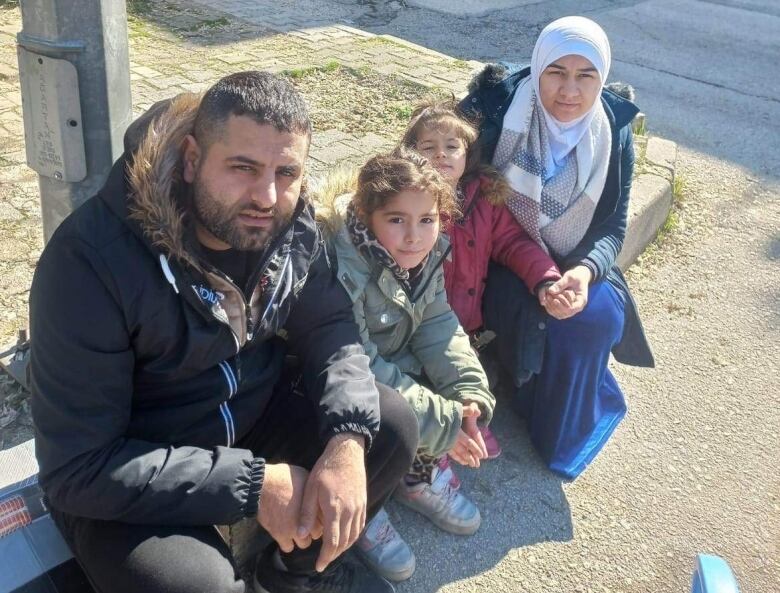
(372, 250)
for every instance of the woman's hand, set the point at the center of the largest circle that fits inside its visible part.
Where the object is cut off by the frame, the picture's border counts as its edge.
(569, 295)
(470, 446)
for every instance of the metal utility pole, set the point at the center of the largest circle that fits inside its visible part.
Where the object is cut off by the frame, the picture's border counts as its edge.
(74, 72)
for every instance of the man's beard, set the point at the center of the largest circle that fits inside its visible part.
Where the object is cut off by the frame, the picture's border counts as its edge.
(222, 221)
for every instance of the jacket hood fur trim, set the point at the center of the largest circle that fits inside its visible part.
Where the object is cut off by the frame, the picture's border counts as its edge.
(154, 175)
(330, 197)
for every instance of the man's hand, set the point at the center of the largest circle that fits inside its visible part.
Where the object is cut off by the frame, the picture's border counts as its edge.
(336, 495)
(280, 504)
(470, 447)
(569, 295)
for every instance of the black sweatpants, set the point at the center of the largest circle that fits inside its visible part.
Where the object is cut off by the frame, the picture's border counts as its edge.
(126, 558)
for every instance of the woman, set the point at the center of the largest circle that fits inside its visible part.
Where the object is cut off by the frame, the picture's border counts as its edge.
(564, 144)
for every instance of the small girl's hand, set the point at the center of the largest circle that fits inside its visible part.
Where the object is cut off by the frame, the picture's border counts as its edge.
(470, 446)
(465, 451)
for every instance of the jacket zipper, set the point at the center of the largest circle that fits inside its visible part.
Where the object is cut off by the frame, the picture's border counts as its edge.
(421, 290)
(224, 407)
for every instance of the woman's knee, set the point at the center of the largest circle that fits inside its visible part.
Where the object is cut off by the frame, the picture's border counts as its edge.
(603, 316)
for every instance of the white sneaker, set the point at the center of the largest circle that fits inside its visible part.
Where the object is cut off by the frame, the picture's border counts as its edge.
(383, 549)
(444, 506)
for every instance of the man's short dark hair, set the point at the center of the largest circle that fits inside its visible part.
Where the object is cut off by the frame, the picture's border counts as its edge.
(265, 97)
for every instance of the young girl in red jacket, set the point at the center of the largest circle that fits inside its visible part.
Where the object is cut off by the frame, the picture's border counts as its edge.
(486, 230)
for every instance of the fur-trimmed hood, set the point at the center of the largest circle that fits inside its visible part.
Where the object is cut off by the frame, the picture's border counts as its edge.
(330, 196)
(154, 174)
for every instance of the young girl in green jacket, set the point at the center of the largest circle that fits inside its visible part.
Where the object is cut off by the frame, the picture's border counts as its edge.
(389, 252)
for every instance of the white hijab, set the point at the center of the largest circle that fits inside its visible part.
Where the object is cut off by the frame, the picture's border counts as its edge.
(566, 36)
(556, 171)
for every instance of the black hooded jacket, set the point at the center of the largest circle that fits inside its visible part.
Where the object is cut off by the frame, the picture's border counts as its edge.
(148, 365)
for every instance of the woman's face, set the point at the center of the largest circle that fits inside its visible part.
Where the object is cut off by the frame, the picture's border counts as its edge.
(569, 87)
(407, 227)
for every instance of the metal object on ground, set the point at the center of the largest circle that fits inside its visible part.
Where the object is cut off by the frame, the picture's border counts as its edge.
(30, 543)
(15, 359)
(713, 575)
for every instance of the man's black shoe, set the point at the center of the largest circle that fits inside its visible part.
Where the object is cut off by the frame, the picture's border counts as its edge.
(339, 577)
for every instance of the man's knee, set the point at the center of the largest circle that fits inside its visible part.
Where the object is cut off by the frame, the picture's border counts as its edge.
(398, 426)
(122, 558)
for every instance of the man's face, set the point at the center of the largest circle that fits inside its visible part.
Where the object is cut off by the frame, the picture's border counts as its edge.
(246, 185)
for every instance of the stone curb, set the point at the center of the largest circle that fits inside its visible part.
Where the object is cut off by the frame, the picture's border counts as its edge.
(651, 200)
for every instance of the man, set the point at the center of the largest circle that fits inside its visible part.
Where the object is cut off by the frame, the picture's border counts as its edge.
(164, 314)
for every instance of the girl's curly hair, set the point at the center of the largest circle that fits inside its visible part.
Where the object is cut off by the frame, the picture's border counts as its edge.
(385, 176)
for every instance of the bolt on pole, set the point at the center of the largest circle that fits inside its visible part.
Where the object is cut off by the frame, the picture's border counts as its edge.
(74, 72)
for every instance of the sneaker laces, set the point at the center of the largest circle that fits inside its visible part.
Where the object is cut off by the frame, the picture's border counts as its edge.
(385, 533)
(447, 492)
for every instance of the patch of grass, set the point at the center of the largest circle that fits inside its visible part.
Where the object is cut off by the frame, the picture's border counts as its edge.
(9, 4)
(206, 25)
(673, 219)
(357, 101)
(297, 73)
(139, 7)
(214, 23)
(678, 187)
(670, 224)
(403, 112)
(379, 41)
(641, 128)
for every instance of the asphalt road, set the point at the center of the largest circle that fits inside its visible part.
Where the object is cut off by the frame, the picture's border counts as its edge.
(694, 467)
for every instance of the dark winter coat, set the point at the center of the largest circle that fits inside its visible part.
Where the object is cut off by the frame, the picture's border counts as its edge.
(148, 364)
(489, 98)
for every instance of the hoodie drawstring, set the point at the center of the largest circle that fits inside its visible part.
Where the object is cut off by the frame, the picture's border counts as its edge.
(166, 268)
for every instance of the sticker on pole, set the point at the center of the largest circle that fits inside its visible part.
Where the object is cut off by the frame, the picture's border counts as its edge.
(53, 135)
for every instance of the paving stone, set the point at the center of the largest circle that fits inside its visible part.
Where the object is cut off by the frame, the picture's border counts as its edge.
(333, 153)
(233, 58)
(370, 143)
(327, 137)
(145, 71)
(9, 213)
(388, 68)
(8, 71)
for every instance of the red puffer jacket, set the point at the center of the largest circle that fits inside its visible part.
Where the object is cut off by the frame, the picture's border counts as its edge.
(488, 231)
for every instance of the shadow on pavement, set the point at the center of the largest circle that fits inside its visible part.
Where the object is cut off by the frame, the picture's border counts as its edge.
(521, 502)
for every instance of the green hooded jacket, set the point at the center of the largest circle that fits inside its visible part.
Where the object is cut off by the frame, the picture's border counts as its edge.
(415, 346)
